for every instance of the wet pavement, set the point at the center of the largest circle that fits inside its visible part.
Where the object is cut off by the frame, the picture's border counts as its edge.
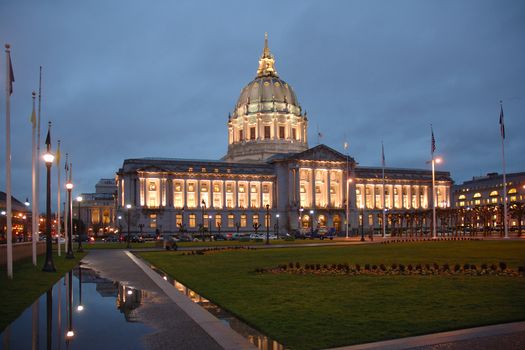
(173, 328)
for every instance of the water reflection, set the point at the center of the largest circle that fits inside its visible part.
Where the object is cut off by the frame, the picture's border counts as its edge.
(93, 310)
(261, 341)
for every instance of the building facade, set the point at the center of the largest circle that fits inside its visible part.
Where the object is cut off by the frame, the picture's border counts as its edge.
(269, 177)
(97, 211)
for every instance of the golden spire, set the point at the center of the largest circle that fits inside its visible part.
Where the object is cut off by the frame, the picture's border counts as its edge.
(266, 62)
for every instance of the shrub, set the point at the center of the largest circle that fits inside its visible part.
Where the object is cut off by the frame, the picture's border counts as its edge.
(473, 267)
(502, 266)
(410, 267)
(318, 266)
(367, 267)
(334, 266)
(382, 267)
(493, 267)
(446, 267)
(521, 269)
(374, 267)
(357, 267)
(427, 266)
(394, 266)
(325, 266)
(436, 266)
(418, 266)
(484, 266)
(290, 264)
(401, 267)
(457, 267)
(297, 265)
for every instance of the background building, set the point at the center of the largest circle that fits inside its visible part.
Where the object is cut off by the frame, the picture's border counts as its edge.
(97, 210)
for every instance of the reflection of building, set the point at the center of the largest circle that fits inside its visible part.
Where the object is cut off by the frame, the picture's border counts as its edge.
(268, 170)
(98, 209)
(128, 300)
(21, 219)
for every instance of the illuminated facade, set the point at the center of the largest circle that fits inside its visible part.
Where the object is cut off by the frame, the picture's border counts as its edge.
(268, 176)
(97, 210)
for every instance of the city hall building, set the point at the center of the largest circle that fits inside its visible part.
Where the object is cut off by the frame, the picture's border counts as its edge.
(268, 177)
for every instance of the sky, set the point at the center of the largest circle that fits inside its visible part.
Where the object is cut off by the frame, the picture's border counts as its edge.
(130, 79)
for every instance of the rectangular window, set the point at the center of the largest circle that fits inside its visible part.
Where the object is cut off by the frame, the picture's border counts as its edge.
(370, 220)
(218, 220)
(267, 220)
(178, 220)
(267, 133)
(255, 218)
(243, 220)
(153, 220)
(231, 220)
(240, 135)
(281, 132)
(252, 133)
(192, 220)
(294, 134)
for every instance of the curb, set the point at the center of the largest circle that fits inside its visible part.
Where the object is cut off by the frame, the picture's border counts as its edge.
(227, 338)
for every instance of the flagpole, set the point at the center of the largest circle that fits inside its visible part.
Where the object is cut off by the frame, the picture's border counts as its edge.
(8, 91)
(37, 162)
(347, 189)
(58, 196)
(432, 149)
(66, 209)
(502, 128)
(34, 207)
(384, 190)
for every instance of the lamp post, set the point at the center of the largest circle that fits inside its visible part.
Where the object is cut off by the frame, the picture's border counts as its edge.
(277, 225)
(203, 208)
(209, 225)
(301, 209)
(26, 235)
(79, 249)
(311, 223)
(49, 265)
(68, 222)
(267, 222)
(347, 204)
(128, 207)
(362, 224)
(434, 161)
(119, 227)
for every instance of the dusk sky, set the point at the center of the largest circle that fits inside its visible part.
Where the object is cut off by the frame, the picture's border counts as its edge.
(131, 79)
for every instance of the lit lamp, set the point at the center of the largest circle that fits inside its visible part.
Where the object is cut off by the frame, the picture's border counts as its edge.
(49, 266)
(277, 225)
(69, 253)
(128, 207)
(434, 161)
(80, 307)
(80, 249)
(312, 223)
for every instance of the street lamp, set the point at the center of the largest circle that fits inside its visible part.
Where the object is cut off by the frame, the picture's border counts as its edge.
(267, 221)
(69, 223)
(49, 266)
(277, 225)
(347, 204)
(128, 207)
(311, 223)
(203, 208)
(79, 233)
(434, 161)
(209, 225)
(301, 209)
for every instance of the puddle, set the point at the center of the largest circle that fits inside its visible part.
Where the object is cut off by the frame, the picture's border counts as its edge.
(261, 341)
(81, 311)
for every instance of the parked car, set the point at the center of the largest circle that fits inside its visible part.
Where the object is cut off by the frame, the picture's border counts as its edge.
(113, 238)
(137, 239)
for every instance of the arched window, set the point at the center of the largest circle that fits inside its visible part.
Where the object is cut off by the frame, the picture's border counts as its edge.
(461, 197)
(477, 195)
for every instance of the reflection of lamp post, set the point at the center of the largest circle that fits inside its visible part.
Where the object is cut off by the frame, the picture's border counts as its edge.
(70, 333)
(69, 223)
(267, 221)
(312, 223)
(128, 207)
(80, 307)
(277, 225)
(49, 266)
(80, 249)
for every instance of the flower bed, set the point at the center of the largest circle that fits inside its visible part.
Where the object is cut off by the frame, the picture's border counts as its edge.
(427, 269)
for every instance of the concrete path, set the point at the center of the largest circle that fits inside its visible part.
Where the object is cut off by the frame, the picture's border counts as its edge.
(510, 336)
(179, 323)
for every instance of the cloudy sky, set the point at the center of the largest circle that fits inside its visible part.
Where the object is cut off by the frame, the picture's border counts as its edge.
(125, 79)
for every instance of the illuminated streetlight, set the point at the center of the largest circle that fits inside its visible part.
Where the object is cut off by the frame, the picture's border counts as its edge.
(49, 265)
(69, 222)
(347, 204)
(80, 249)
(311, 224)
(128, 207)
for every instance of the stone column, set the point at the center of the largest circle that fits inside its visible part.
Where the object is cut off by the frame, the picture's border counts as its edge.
(329, 185)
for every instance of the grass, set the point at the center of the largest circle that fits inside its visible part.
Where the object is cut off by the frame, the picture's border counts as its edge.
(28, 283)
(312, 312)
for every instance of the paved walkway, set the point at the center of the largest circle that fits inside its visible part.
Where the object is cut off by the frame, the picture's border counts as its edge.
(180, 323)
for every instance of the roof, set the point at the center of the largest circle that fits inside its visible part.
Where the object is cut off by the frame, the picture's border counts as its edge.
(16, 205)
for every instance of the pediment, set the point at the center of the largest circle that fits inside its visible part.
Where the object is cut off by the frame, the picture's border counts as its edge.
(324, 153)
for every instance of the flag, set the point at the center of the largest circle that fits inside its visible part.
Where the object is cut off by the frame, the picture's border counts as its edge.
(57, 156)
(11, 77)
(382, 154)
(345, 145)
(33, 117)
(48, 138)
(319, 134)
(501, 122)
(433, 144)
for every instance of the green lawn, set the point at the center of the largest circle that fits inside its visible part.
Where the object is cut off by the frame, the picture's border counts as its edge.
(28, 283)
(312, 312)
